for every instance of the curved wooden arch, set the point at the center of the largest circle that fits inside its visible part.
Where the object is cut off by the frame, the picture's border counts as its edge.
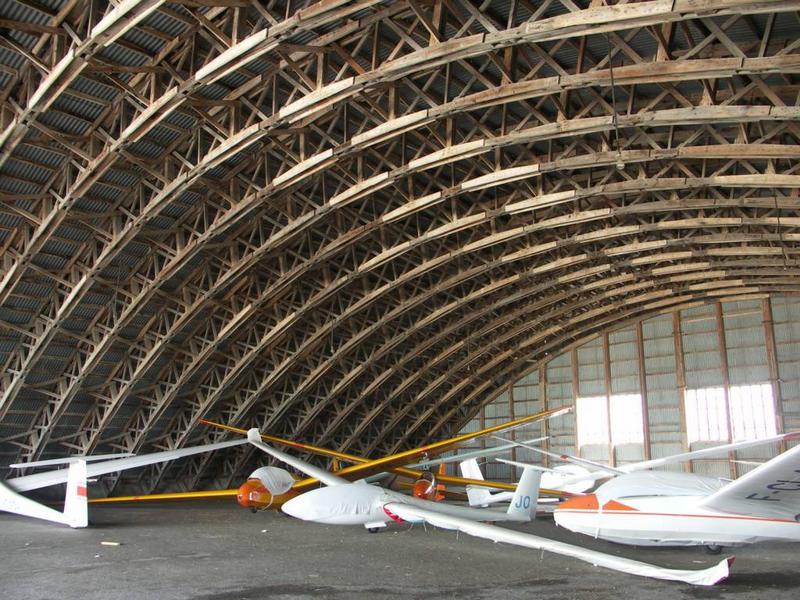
(485, 388)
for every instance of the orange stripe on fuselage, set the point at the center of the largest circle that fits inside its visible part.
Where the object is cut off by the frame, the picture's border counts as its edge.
(589, 502)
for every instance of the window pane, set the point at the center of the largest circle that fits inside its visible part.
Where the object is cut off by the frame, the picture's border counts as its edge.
(705, 415)
(752, 411)
(626, 419)
(592, 420)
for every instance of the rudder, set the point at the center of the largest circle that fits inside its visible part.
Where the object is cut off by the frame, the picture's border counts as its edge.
(525, 498)
(76, 502)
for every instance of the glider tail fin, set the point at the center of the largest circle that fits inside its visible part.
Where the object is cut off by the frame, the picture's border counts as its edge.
(478, 496)
(523, 504)
(76, 502)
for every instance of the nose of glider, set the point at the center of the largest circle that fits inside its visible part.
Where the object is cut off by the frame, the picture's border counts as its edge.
(253, 495)
(424, 489)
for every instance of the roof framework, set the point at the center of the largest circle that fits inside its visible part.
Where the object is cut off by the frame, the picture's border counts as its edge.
(354, 222)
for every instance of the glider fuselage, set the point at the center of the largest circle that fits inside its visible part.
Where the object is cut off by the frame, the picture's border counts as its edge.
(364, 504)
(672, 514)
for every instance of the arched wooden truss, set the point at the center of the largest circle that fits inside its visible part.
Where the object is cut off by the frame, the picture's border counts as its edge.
(353, 222)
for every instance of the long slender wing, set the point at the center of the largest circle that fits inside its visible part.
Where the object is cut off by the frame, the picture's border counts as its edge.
(606, 471)
(364, 467)
(326, 477)
(713, 451)
(770, 491)
(67, 460)
(462, 456)
(708, 576)
(168, 496)
(584, 462)
(40, 480)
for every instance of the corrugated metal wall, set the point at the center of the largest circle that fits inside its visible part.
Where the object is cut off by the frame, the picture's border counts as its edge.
(657, 360)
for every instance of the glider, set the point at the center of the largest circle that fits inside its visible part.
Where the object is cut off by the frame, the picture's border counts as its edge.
(75, 513)
(661, 508)
(342, 502)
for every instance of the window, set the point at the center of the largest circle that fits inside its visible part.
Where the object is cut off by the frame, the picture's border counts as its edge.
(752, 413)
(592, 417)
(626, 420)
(705, 415)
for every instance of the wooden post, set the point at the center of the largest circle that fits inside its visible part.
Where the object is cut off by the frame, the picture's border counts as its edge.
(646, 454)
(612, 456)
(543, 397)
(513, 431)
(772, 364)
(680, 376)
(573, 357)
(726, 384)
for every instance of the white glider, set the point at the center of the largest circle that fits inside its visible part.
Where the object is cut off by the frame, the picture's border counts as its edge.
(344, 503)
(75, 512)
(660, 508)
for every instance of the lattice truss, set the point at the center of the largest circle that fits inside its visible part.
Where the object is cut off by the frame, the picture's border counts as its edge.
(353, 222)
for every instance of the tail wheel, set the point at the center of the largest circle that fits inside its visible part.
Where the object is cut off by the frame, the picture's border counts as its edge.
(373, 529)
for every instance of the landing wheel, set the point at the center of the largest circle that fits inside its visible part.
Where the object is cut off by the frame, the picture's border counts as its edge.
(713, 549)
(253, 510)
(373, 529)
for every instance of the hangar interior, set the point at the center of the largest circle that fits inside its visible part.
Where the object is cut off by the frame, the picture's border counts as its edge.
(372, 224)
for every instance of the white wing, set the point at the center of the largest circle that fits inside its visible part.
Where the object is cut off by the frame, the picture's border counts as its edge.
(462, 456)
(40, 480)
(708, 576)
(770, 491)
(605, 471)
(326, 477)
(69, 460)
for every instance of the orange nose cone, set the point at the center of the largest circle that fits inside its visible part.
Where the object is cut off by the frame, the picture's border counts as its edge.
(252, 494)
(424, 489)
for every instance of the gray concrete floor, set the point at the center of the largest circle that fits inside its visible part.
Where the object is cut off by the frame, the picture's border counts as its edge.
(217, 551)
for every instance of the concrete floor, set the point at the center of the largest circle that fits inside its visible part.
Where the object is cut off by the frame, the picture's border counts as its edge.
(217, 551)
